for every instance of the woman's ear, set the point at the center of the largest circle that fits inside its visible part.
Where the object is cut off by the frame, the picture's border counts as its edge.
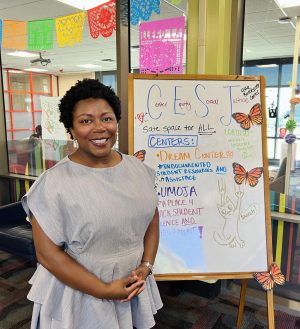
(72, 133)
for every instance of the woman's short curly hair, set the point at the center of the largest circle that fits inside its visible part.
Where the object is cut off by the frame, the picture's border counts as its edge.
(83, 89)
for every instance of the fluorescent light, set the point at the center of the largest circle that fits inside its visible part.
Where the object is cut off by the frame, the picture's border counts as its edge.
(22, 54)
(35, 69)
(89, 66)
(83, 4)
(15, 71)
(288, 3)
(267, 65)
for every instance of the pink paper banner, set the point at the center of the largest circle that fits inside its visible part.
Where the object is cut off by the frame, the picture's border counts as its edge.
(161, 46)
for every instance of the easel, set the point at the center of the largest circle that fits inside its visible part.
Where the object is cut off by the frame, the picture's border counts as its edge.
(157, 79)
(270, 306)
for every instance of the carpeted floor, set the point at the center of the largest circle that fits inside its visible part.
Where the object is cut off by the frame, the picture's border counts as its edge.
(190, 311)
(15, 309)
(184, 308)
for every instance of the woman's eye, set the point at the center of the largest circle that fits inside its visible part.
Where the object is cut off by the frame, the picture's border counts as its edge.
(107, 119)
(86, 121)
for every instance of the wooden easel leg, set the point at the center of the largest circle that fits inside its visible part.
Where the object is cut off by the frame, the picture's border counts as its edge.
(242, 303)
(270, 309)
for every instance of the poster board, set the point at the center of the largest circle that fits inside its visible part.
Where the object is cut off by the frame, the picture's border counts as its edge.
(205, 136)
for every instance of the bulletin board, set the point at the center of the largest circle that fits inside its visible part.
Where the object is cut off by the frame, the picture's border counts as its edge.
(205, 136)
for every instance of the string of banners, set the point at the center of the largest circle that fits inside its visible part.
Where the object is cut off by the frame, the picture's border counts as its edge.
(39, 34)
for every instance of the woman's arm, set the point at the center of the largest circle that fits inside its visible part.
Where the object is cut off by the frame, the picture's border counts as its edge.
(151, 241)
(73, 274)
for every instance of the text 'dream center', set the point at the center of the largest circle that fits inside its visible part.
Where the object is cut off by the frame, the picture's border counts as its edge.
(165, 141)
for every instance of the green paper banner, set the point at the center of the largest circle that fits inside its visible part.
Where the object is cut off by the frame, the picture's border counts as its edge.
(40, 34)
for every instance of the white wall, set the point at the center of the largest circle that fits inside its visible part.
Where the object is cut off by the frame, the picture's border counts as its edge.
(65, 82)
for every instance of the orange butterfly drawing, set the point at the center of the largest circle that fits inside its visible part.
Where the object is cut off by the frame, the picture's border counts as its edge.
(268, 279)
(253, 118)
(140, 155)
(242, 176)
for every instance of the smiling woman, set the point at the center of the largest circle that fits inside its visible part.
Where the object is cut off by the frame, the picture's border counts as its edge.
(95, 225)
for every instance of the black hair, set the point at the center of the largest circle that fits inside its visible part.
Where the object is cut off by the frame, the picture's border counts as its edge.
(38, 130)
(86, 88)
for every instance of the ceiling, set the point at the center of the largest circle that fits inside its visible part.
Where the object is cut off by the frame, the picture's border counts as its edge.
(264, 37)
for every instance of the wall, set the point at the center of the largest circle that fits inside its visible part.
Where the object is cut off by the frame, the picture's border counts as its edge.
(68, 80)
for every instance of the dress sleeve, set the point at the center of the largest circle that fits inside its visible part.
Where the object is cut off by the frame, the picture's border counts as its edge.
(151, 173)
(42, 201)
(152, 177)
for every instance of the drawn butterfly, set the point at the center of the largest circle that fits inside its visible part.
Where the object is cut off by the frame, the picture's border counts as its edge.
(140, 155)
(243, 176)
(268, 279)
(253, 118)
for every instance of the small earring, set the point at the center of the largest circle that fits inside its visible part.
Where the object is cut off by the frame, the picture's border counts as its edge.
(75, 143)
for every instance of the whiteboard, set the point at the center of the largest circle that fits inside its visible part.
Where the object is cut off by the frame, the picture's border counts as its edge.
(205, 138)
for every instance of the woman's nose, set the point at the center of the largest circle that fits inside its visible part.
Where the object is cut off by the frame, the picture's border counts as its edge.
(99, 125)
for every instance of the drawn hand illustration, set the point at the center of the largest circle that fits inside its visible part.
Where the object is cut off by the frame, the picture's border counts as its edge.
(140, 155)
(268, 279)
(230, 212)
(253, 118)
(242, 176)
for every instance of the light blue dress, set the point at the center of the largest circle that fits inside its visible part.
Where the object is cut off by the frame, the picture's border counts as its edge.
(101, 216)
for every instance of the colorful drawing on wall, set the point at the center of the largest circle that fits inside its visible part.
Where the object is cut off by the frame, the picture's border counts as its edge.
(52, 128)
(161, 46)
(253, 118)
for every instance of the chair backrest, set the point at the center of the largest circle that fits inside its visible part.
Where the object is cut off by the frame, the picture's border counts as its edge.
(278, 184)
(12, 213)
(282, 168)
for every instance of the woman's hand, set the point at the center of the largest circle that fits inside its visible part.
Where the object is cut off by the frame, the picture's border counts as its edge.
(126, 289)
(142, 272)
(295, 101)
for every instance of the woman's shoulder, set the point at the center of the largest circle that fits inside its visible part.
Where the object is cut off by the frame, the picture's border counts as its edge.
(50, 174)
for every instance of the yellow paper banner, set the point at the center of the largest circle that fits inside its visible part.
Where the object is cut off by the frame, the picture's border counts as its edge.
(14, 34)
(69, 29)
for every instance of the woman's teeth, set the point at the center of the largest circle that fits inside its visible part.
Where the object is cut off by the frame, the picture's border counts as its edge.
(99, 141)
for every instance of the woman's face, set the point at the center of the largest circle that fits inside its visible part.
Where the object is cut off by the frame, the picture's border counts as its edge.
(95, 128)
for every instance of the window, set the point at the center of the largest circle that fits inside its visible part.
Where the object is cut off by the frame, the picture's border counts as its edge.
(22, 91)
(278, 93)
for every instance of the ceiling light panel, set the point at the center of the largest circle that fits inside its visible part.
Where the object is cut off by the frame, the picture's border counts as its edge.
(35, 69)
(288, 3)
(89, 66)
(83, 4)
(24, 54)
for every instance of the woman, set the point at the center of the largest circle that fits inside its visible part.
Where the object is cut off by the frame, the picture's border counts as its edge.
(95, 225)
